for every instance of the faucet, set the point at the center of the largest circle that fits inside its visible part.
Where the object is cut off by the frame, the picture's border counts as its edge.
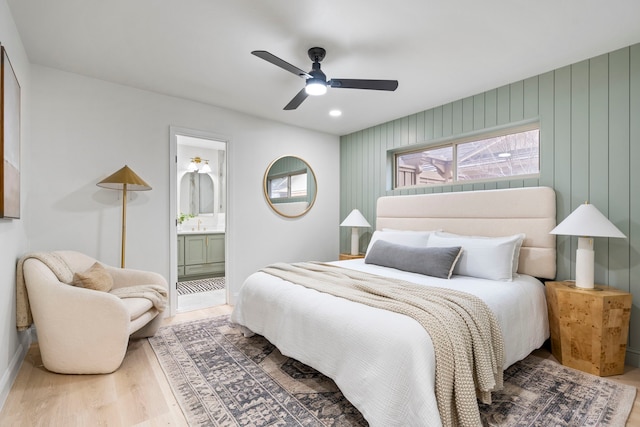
(199, 222)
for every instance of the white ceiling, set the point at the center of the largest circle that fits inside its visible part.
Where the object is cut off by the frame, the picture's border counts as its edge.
(438, 50)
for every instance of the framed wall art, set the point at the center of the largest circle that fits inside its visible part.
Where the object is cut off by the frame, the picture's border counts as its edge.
(9, 139)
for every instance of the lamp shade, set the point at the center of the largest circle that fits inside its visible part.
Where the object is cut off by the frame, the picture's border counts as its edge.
(355, 219)
(587, 220)
(205, 168)
(117, 181)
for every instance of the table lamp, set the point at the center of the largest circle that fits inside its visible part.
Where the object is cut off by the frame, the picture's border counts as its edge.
(586, 222)
(355, 220)
(124, 179)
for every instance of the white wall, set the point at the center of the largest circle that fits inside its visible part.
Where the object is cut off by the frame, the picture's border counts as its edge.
(77, 131)
(85, 129)
(13, 241)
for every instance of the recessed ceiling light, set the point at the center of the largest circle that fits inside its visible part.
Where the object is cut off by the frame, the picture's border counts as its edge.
(504, 155)
(335, 113)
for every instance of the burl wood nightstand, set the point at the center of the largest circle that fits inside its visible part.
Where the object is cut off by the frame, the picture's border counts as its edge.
(344, 256)
(589, 328)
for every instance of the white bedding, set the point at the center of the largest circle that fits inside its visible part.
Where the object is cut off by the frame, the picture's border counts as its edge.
(383, 362)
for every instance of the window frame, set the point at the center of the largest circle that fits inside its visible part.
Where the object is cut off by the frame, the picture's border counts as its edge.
(287, 175)
(453, 142)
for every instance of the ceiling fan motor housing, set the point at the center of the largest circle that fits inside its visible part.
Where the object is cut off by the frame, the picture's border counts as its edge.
(317, 78)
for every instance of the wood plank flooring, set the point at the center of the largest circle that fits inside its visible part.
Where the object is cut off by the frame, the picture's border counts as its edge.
(137, 394)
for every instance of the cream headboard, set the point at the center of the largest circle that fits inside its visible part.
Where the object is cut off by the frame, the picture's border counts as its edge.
(493, 213)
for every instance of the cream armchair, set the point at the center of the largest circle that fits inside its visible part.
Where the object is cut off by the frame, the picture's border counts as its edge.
(86, 331)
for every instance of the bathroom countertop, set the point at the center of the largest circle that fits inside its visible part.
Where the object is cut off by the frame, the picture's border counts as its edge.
(201, 231)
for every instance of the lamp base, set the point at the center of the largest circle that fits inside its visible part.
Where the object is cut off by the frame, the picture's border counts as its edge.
(355, 241)
(572, 284)
(584, 263)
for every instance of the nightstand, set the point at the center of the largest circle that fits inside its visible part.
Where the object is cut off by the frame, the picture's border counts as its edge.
(589, 328)
(349, 256)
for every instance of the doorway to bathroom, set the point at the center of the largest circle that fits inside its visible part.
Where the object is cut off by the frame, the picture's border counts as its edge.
(199, 206)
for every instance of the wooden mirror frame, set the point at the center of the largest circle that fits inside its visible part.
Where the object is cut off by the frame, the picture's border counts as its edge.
(274, 206)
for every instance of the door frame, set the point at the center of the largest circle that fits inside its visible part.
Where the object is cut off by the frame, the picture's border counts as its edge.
(174, 131)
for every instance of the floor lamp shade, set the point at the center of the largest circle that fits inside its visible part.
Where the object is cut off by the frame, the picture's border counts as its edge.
(355, 220)
(124, 179)
(586, 222)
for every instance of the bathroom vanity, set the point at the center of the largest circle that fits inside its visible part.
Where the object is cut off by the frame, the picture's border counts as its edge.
(200, 254)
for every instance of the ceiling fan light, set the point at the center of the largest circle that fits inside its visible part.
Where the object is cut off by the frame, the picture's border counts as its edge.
(315, 87)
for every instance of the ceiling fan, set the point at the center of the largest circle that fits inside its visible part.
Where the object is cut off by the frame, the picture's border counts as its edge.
(317, 81)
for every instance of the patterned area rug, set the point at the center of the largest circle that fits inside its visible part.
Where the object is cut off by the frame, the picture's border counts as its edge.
(221, 378)
(202, 285)
(541, 392)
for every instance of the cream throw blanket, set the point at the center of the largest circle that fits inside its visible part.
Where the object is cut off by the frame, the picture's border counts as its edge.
(466, 337)
(155, 293)
(60, 268)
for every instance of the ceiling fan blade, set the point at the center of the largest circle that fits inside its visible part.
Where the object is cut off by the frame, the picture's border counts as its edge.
(297, 100)
(364, 84)
(280, 63)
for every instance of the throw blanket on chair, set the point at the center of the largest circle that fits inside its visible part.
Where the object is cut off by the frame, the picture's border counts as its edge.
(155, 293)
(59, 267)
(467, 339)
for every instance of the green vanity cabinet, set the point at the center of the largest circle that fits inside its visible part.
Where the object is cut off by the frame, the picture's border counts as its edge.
(215, 249)
(202, 255)
(180, 256)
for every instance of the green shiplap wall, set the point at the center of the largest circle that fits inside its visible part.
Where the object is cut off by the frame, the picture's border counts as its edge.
(589, 115)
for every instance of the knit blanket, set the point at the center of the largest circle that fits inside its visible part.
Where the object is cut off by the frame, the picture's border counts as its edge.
(467, 339)
(60, 268)
(155, 293)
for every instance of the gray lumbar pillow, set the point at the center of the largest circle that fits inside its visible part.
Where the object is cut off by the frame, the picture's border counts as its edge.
(436, 262)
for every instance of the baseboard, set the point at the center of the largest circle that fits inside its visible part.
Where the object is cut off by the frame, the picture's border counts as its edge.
(9, 376)
(632, 358)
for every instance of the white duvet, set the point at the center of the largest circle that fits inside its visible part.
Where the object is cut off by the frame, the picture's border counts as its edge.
(383, 362)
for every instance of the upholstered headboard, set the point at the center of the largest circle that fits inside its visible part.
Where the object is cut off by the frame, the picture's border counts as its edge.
(493, 213)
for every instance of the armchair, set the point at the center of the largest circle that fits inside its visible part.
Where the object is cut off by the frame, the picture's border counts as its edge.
(86, 331)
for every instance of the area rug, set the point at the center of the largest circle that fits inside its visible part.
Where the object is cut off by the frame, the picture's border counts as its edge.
(221, 378)
(202, 285)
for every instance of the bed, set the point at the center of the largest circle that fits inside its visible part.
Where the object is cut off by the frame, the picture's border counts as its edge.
(383, 361)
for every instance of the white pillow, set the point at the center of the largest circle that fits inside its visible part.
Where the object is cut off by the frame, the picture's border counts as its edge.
(494, 258)
(416, 239)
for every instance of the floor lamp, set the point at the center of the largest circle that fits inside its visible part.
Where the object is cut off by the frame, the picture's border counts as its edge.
(124, 179)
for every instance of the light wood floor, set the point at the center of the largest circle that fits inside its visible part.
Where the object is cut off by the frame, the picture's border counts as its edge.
(137, 394)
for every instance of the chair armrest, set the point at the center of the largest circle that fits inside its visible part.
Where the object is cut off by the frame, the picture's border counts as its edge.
(123, 277)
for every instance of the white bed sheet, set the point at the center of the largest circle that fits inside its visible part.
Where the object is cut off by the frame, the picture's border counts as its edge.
(383, 362)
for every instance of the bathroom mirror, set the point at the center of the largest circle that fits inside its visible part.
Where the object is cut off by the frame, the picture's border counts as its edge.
(290, 186)
(196, 193)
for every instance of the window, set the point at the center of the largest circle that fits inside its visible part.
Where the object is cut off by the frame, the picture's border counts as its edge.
(279, 187)
(488, 157)
(288, 186)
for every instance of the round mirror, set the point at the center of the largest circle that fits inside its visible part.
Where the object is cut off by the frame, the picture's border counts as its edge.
(290, 186)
